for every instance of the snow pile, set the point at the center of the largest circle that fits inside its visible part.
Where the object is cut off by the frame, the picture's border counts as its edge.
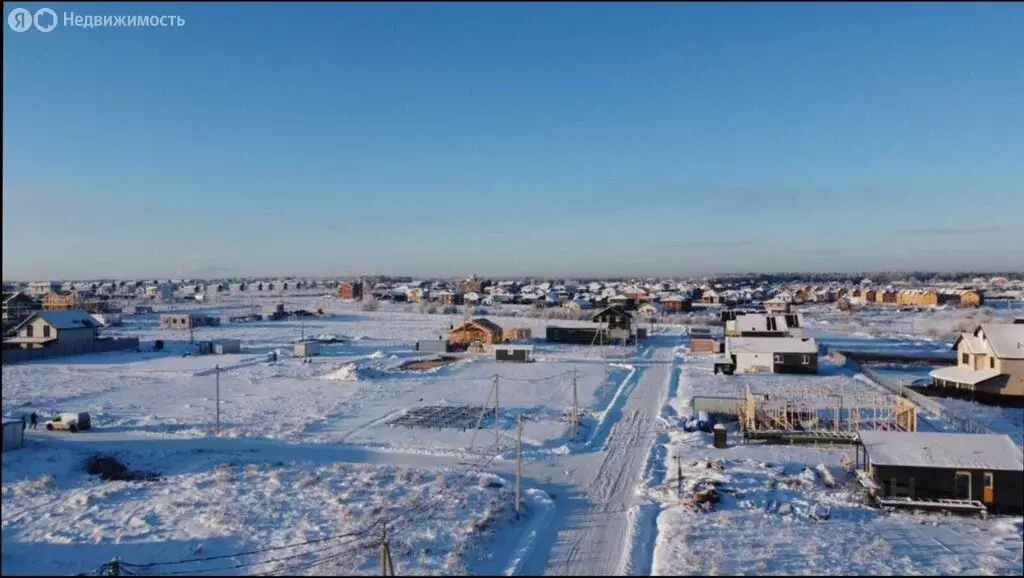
(347, 372)
(378, 355)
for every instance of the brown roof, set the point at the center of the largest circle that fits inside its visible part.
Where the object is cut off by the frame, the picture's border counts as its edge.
(487, 323)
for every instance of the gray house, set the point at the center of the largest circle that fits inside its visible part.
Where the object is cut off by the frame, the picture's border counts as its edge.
(44, 328)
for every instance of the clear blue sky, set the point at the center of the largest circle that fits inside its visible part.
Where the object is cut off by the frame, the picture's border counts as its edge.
(576, 139)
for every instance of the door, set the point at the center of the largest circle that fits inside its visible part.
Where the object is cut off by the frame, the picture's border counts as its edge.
(989, 490)
(962, 486)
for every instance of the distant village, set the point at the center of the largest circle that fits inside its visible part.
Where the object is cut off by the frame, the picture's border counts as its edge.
(648, 298)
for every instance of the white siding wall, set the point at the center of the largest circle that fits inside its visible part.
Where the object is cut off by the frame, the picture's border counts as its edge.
(751, 362)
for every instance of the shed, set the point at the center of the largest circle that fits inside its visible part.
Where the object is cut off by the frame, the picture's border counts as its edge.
(433, 346)
(946, 466)
(517, 353)
(307, 348)
(225, 346)
(14, 434)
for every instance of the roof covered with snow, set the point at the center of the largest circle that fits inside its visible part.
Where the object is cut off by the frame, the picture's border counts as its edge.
(962, 374)
(74, 319)
(942, 450)
(770, 345)
(1006, 339)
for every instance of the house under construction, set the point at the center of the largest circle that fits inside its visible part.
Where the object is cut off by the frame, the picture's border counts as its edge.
(818, 415)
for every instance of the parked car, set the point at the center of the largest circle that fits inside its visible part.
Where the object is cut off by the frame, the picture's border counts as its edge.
(70, 421)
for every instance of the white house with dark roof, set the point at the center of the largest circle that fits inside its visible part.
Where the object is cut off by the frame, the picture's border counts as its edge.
(990, 360)
(44, 328)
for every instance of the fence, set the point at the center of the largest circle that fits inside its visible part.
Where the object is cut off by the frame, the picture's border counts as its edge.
(921, 401)
(98, 346)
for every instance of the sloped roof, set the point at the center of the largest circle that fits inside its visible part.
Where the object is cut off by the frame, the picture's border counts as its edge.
(770, 345)
(482, 323)
(960, 374)
(1006, 340)
(975, 345)
(942, 450)
(612, 309)
(74, 319)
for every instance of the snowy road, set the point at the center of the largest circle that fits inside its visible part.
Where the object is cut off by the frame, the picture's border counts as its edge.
(595, 493)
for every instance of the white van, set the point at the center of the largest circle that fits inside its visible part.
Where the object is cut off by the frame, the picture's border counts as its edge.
(70, 421)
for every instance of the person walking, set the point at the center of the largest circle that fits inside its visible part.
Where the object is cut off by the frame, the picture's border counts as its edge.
(35, 420)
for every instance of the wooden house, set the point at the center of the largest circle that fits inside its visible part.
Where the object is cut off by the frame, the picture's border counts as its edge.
(348, 290)
(510, 334)
(868, 296)
(480, 329)
(917, 298)
(711, 297)
(922, 466)
(471, 286)
(970, 298)
(613, 317)
(675, 304)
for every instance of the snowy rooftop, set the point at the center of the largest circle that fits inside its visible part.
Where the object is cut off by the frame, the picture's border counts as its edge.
(942, 450)
(1007, 340)
(771, 345)
(67, 319)
(960, 374)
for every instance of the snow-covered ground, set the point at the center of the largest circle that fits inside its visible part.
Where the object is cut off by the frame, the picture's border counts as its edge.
(765, 520)
(217, 502)
(306, 452)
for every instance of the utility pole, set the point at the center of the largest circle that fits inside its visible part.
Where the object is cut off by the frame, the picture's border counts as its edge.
(497, 438)
(679, 475)
(387, 568)
(519, 464)
(302, 328)
(216, 371)
(191, 330)
(575, 407)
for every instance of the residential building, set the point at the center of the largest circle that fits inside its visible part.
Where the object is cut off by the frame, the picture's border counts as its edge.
(761, 325)
(771, 354)
(187, 320)
(46, 328)
(990, 364)
(480, 329)
(945, 466)
(350, 290)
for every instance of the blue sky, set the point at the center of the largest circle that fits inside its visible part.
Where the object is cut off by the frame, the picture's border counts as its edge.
(575, 139)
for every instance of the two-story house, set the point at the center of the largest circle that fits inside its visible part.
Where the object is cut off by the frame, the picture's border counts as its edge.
(990, 363)
(45, 328)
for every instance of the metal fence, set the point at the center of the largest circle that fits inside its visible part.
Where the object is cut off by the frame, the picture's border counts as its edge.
(922, 401)
(98, 346)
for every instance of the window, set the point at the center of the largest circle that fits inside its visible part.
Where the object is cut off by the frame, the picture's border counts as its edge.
(46, 330)
(28, 331)
(964, 359)
(778, 358)
(805, 359)
(991, 362)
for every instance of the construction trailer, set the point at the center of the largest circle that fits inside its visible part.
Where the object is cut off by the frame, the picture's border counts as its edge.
(434, 346)
(307, 348)
(952, 471)
(790, 413)
(225, 346)
(516, 353)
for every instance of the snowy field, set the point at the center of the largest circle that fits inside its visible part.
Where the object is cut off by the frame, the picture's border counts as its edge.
(298, 511)
(348, 394)
(795, 510)
(308, 462)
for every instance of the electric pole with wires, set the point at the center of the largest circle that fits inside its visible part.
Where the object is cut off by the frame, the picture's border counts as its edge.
(575, 407)
(519, 465)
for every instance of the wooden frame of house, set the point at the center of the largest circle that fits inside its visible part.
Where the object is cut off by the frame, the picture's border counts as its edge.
(476, 330)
